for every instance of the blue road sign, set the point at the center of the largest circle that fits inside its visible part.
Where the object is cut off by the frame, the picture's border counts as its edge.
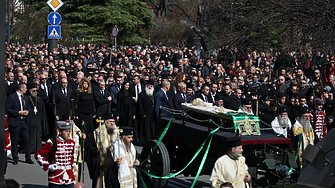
(54, 18)
(54, 32)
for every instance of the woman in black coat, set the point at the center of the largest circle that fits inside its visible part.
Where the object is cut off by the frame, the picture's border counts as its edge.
(84, 106)
(125, 112)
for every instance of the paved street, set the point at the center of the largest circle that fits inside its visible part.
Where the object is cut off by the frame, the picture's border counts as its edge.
(32, 176)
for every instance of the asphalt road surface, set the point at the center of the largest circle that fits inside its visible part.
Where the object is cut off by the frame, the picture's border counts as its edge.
(33, 176)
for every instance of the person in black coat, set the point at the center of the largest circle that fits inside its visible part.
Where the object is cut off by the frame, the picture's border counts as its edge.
(62, 100)
(205, 94)
(125, 106)
(268, 113)
(17, 109)
(235, 101)
(145, 106)
(84, 106)
(102, 100)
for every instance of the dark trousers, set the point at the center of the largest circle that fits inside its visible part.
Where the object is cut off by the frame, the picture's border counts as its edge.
(51, 185)
(5, 161)
(22, 129)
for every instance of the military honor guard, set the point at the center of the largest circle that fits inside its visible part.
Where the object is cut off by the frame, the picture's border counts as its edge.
(60, 154)
(231, 167)
(320, 122)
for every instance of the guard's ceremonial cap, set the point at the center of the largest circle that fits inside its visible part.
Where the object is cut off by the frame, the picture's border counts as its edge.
(127, 131)
(61, 125)
(234, 142)
(318, 102)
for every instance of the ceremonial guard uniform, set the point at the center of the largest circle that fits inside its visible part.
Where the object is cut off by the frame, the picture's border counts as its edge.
(320, 124)
(61, 161)
(8, 145)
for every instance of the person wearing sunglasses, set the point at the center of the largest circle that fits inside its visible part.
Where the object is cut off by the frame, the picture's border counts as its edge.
(246, 107)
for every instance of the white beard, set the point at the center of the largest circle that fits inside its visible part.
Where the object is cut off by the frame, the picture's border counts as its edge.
(306, 125)
(237, 154)
(149, 92)
(283, 121)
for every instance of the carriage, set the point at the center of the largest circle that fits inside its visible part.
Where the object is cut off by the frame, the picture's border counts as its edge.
(269, 157)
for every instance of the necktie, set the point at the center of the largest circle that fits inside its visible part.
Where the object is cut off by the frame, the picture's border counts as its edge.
(206, 99)
(22, 101)
(46, 92)
(138, 90)
(184, 97)
(102, 92)
(166, 97)
(64, 93)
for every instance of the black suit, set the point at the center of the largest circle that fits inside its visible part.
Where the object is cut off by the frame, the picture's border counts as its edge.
(63, 105)
(209, 98)
(18, 124)
(178, 99)
(102, 103)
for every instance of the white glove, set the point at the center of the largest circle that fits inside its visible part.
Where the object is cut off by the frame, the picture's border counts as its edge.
(52, 167)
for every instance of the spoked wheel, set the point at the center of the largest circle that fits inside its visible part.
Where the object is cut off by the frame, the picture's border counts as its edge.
(157, 163)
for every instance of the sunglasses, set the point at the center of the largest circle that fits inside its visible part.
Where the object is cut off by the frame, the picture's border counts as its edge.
(35, 90)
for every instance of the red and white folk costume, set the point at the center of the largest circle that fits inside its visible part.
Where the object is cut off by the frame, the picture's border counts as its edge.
(320, 124)
(64, 160)
(8, 145)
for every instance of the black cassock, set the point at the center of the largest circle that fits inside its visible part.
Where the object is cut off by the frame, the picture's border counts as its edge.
(38, 123)
(95, 168)
(145, 106)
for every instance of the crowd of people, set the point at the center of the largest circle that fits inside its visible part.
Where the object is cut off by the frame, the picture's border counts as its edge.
(137, 84)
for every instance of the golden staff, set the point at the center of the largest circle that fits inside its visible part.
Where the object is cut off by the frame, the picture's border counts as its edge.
(100, 144)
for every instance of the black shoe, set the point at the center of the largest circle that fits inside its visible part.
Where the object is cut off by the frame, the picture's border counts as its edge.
(16, 161)
(29, 161)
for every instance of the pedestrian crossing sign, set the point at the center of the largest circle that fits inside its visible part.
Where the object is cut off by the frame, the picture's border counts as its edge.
(54, 32)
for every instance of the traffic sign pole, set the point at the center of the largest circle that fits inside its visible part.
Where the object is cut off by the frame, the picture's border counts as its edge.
(115, 32)
(54, 30)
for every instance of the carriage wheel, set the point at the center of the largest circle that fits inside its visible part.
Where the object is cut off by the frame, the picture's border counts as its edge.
(158, 164)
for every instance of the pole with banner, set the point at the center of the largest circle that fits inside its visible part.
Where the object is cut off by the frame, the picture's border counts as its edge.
(115, 32)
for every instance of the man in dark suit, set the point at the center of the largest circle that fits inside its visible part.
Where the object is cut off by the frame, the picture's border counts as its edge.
(63, 100)
(205, 94)
(102, 100)
(181, 96)
(161, 99)
(17, 109)
(115, 88)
